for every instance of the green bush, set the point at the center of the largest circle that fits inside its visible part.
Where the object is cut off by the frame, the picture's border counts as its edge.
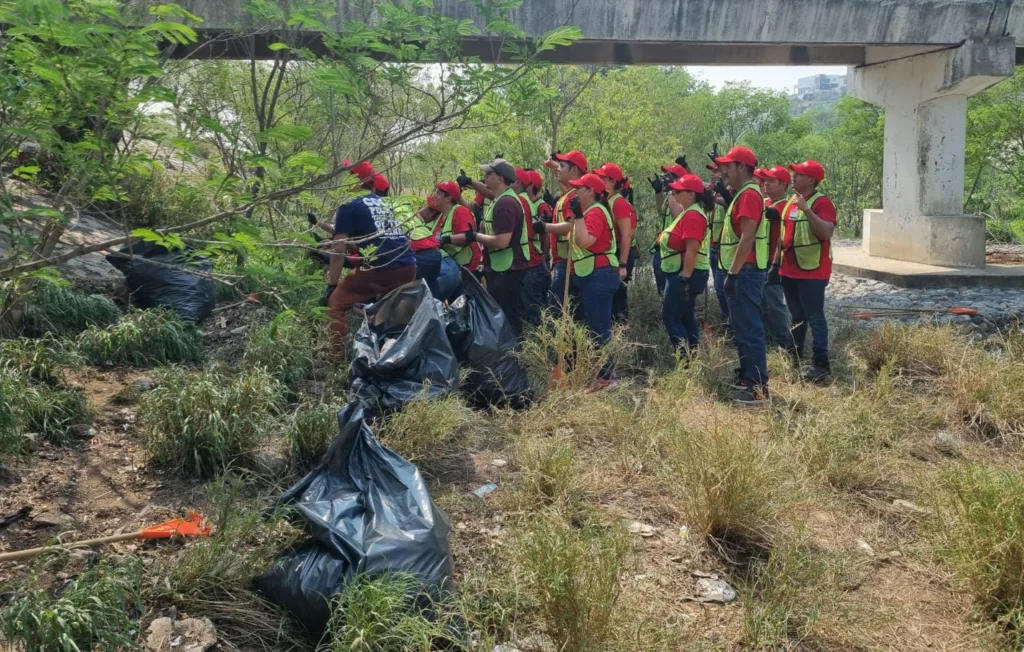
(310, 432)
(143, 338)
(285, 348)
(98, 610)
(978, 528)
(41, 359)
(62, 311)
(201, 423)
(28, 407)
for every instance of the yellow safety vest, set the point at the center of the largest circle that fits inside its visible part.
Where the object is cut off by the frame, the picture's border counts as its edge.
(462, 254)
(562, 241)
(672, 260)
(500, 260)
(534, 207)
(727, 245)
(806, 246)
(583, 259)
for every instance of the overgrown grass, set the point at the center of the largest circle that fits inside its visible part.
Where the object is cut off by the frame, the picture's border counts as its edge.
(59, 310)
(285, 348)
(42, 359)
(143, 338)
(310, 432)
(573, 573)
(423, 427)
(978, 529)
(202, 423)
(31, 407)
(549, 471)
(97, 610)
(569, 342)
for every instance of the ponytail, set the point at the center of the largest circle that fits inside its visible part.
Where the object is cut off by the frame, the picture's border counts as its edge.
(602, 198)
(707, 200)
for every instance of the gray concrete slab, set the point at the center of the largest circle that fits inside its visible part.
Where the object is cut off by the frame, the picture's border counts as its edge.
(850, 259)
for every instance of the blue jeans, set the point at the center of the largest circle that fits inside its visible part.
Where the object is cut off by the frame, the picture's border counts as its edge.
(680, 317)
(596, 293)
(748, 327)
(532, 299)
(776, 317)
(659, 276)
(448, 280)
(806, 300)
(620, 304)
(428, 266)
(719, 276)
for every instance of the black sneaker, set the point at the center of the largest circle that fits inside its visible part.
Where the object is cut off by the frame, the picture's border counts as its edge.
(752, 397)
(739, 383)
(818, 375)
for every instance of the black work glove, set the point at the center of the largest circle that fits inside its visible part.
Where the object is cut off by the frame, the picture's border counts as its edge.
(554, 155)
(549, 199)
(463, 179)
(470, 236)
(444, 239)
(576, 207)
(713, 154)
(772, 214)
(539, 226)
(499, 155)
(657, 183)
(681, 160)
(684, 287)
(774, 278)
(312, 218)
(723, 192)
(327, 295)
(730, 287)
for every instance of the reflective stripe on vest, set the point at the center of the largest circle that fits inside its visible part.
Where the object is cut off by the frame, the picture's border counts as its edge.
(500, 260)
(806, 246)
(562, 241)
(413, 227)
(666, 220)
(672, 260)
(727, 246)
(583, 259)
(534, 207)
(717, 222)
(461, 254)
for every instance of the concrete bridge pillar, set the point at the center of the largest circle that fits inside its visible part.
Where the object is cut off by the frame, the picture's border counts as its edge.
(925, 100)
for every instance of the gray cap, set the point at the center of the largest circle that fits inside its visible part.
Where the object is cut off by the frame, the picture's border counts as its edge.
(502, 167)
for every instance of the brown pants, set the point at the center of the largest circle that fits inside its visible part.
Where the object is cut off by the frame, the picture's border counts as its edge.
(360, 286)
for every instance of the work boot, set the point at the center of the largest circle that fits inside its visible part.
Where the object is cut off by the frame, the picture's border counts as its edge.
(818, 374)
(752, 397)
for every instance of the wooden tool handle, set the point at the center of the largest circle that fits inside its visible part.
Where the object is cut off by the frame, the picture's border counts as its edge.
(86, 543)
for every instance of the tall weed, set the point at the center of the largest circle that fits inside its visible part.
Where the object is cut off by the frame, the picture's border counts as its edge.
(285, 348)
(143, 338)
(310, 432)
(59, 310)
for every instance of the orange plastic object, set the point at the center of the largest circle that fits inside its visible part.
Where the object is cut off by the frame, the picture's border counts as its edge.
(193, 525)
(960, 310)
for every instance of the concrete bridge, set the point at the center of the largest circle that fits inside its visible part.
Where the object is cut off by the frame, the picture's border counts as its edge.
(920, 59)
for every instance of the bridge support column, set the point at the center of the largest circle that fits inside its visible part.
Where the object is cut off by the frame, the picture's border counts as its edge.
(925, 100)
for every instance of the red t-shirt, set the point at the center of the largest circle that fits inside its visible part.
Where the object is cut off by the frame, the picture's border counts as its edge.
(691, 227)
(774, 226)
(462, 221)
(748, 206)
(622, 210)
(597, 226)
(826, 210)
(564, 216)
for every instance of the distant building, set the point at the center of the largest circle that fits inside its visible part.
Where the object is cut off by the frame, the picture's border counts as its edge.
(834, 85)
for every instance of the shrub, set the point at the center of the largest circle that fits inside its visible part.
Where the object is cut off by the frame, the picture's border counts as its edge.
(385, 614)
(200, 423)
(285, 348)
(62, 311)
(98, 610)
(423, 426)
(573, 574)
(915, 351)
(978, 529)
(549, 470)
(28, 407)
(143, 338)
(581, 358)
(41, 359)
(310, 432)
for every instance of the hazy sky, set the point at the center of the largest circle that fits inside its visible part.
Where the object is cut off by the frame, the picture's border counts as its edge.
(774, 77)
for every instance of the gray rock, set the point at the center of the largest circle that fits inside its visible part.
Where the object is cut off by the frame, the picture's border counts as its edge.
(83, 431)
(947, 443)
(271, 463)
(52, 519)
(907, 506)
(32, 440)
(188, 635)
(141, 385)
(241, 330)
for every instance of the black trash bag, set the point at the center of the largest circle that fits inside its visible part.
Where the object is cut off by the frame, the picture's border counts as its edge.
(484, 342)
(157, 286)
(369, 512)
(402, 352)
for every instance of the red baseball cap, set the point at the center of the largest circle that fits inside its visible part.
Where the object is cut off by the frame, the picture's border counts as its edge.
(738, 155)
(364, 171)
(380, 183)
(780, 173)
(813, 169)
(589, 180)
(535, 179)
(711, 166)
(575, 157)
(610, 170)
(690, 182)
(761, 173)
(451, 189)
(523, 177)
(675, 169)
